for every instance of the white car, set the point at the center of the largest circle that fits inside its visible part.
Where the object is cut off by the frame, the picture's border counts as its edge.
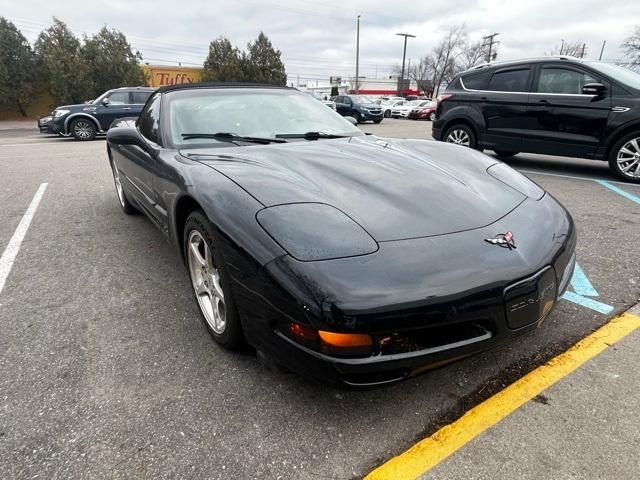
(402, 111)
(389, 105)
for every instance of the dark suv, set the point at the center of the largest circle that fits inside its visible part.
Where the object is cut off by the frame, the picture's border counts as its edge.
(360, 107)
(555, 106)
(85, 120)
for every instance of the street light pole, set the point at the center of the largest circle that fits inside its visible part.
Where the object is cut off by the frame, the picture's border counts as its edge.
(404, 56)
(357, 57)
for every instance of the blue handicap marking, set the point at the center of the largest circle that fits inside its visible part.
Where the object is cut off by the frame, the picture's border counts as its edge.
(583, 292)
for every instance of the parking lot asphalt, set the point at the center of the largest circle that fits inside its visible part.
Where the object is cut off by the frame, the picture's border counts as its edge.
(107, 372)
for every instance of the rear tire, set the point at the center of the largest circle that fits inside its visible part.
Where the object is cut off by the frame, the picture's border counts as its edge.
(211, 282)
(460, 135)
(83, 129)
(503, 154)
(624, 158)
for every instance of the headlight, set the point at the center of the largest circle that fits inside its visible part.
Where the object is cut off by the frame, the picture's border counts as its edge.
(515, 180)
(60, 113)
(315, 231)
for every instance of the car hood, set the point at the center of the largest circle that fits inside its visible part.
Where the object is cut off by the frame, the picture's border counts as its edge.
(395, 189)
(74, 107)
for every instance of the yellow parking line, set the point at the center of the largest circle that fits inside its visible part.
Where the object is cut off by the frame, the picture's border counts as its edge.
(429, 452)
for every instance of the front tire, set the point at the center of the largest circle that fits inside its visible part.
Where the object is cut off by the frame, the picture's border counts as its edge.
(210, 282)
(387, 113)
(83, 129)
(624, 158)
(377, 121)
(432, 116)
(125, 204)
(461, 135)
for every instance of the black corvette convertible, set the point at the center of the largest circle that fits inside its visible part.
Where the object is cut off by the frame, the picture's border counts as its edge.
(345, 257)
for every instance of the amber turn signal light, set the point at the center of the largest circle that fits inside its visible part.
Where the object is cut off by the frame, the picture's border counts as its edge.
(345, 343)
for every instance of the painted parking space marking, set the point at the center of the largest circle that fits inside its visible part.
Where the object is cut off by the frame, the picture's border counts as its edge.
(619, 191)
(429, 452)
(576, 177)
(11, 251)
(583, 291)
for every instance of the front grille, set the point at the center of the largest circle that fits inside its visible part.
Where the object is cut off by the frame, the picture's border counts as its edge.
(439, 338)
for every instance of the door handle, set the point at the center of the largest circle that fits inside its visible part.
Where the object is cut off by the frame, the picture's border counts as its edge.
(543, 102)
(126, 108)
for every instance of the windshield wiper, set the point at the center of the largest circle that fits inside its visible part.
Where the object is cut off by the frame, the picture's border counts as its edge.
(232, 138)
(310, 135)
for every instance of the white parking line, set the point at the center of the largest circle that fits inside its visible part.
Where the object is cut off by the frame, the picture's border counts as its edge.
(11, 252)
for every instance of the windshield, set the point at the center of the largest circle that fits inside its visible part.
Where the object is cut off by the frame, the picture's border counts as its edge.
(618, 73)
(244, 112)
(361, 99)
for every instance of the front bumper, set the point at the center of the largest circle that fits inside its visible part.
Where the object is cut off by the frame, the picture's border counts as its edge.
(45, 125)
(365, 115)
(431, 299)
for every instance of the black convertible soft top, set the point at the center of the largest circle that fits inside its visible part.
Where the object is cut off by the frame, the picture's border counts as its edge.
(189, 86)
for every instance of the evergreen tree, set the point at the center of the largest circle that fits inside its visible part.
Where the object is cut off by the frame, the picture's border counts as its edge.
(224, 63)
(111, 60)
(60, 59)
(263, 62)
(17, 60)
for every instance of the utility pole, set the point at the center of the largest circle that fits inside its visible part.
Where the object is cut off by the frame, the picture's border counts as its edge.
(583, 47)
(404, 56)
(490, 40)
(602, 50)
(561, 46)
(357, 57)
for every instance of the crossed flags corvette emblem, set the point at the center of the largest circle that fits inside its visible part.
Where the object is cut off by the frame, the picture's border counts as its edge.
(504, 240)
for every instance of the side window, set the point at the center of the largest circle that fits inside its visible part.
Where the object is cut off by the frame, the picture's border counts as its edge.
(563, 80)
(149, 120)
(476, 81)
(119, 98)
(339, 99)
(509, 81)
(140, 98)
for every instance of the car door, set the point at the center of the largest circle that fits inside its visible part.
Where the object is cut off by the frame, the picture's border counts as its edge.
(503, 104)
(116, 104)
(138, 100)
(340, 106)
(137, 166)
(563, 120)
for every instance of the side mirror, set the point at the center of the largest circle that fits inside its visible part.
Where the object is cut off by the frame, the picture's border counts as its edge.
(105, 102)
(352, 120)
(597, 89)
(126, 136)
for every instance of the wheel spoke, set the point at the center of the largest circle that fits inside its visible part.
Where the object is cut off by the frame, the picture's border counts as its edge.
(630, 166)
(216, 289)
(627, 151)
(634, 143)
(194, 247)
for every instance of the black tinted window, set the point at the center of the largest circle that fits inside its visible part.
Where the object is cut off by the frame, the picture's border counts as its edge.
(477, 81)
(139, 97)
(149, 121)
(509, 81)
(563, 80)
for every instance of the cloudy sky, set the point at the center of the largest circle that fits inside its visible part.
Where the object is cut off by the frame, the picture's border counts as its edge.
(317, 38)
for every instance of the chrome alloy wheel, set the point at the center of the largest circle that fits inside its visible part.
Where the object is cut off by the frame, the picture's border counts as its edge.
(205, 280)
(629, 158)
(459, 137)
(82, 129)
(116, 180)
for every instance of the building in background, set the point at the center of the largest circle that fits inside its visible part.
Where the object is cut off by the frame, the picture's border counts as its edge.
(161, 75)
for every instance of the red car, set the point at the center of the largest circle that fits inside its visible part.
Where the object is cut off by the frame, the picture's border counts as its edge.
(424, 113)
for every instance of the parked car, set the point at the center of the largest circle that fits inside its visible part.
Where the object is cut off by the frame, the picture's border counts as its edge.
(381, 100)
(390, 105)
(333, 253)
(84, 121)
(359, 107)
(329, 103)
(555, 106)
(424, 112)
(402, 111)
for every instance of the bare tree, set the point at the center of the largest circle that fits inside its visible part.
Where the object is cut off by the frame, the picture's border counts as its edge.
(445, 56)
(571, 49)
(631, 48)
(474, 54)
(421, 72)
